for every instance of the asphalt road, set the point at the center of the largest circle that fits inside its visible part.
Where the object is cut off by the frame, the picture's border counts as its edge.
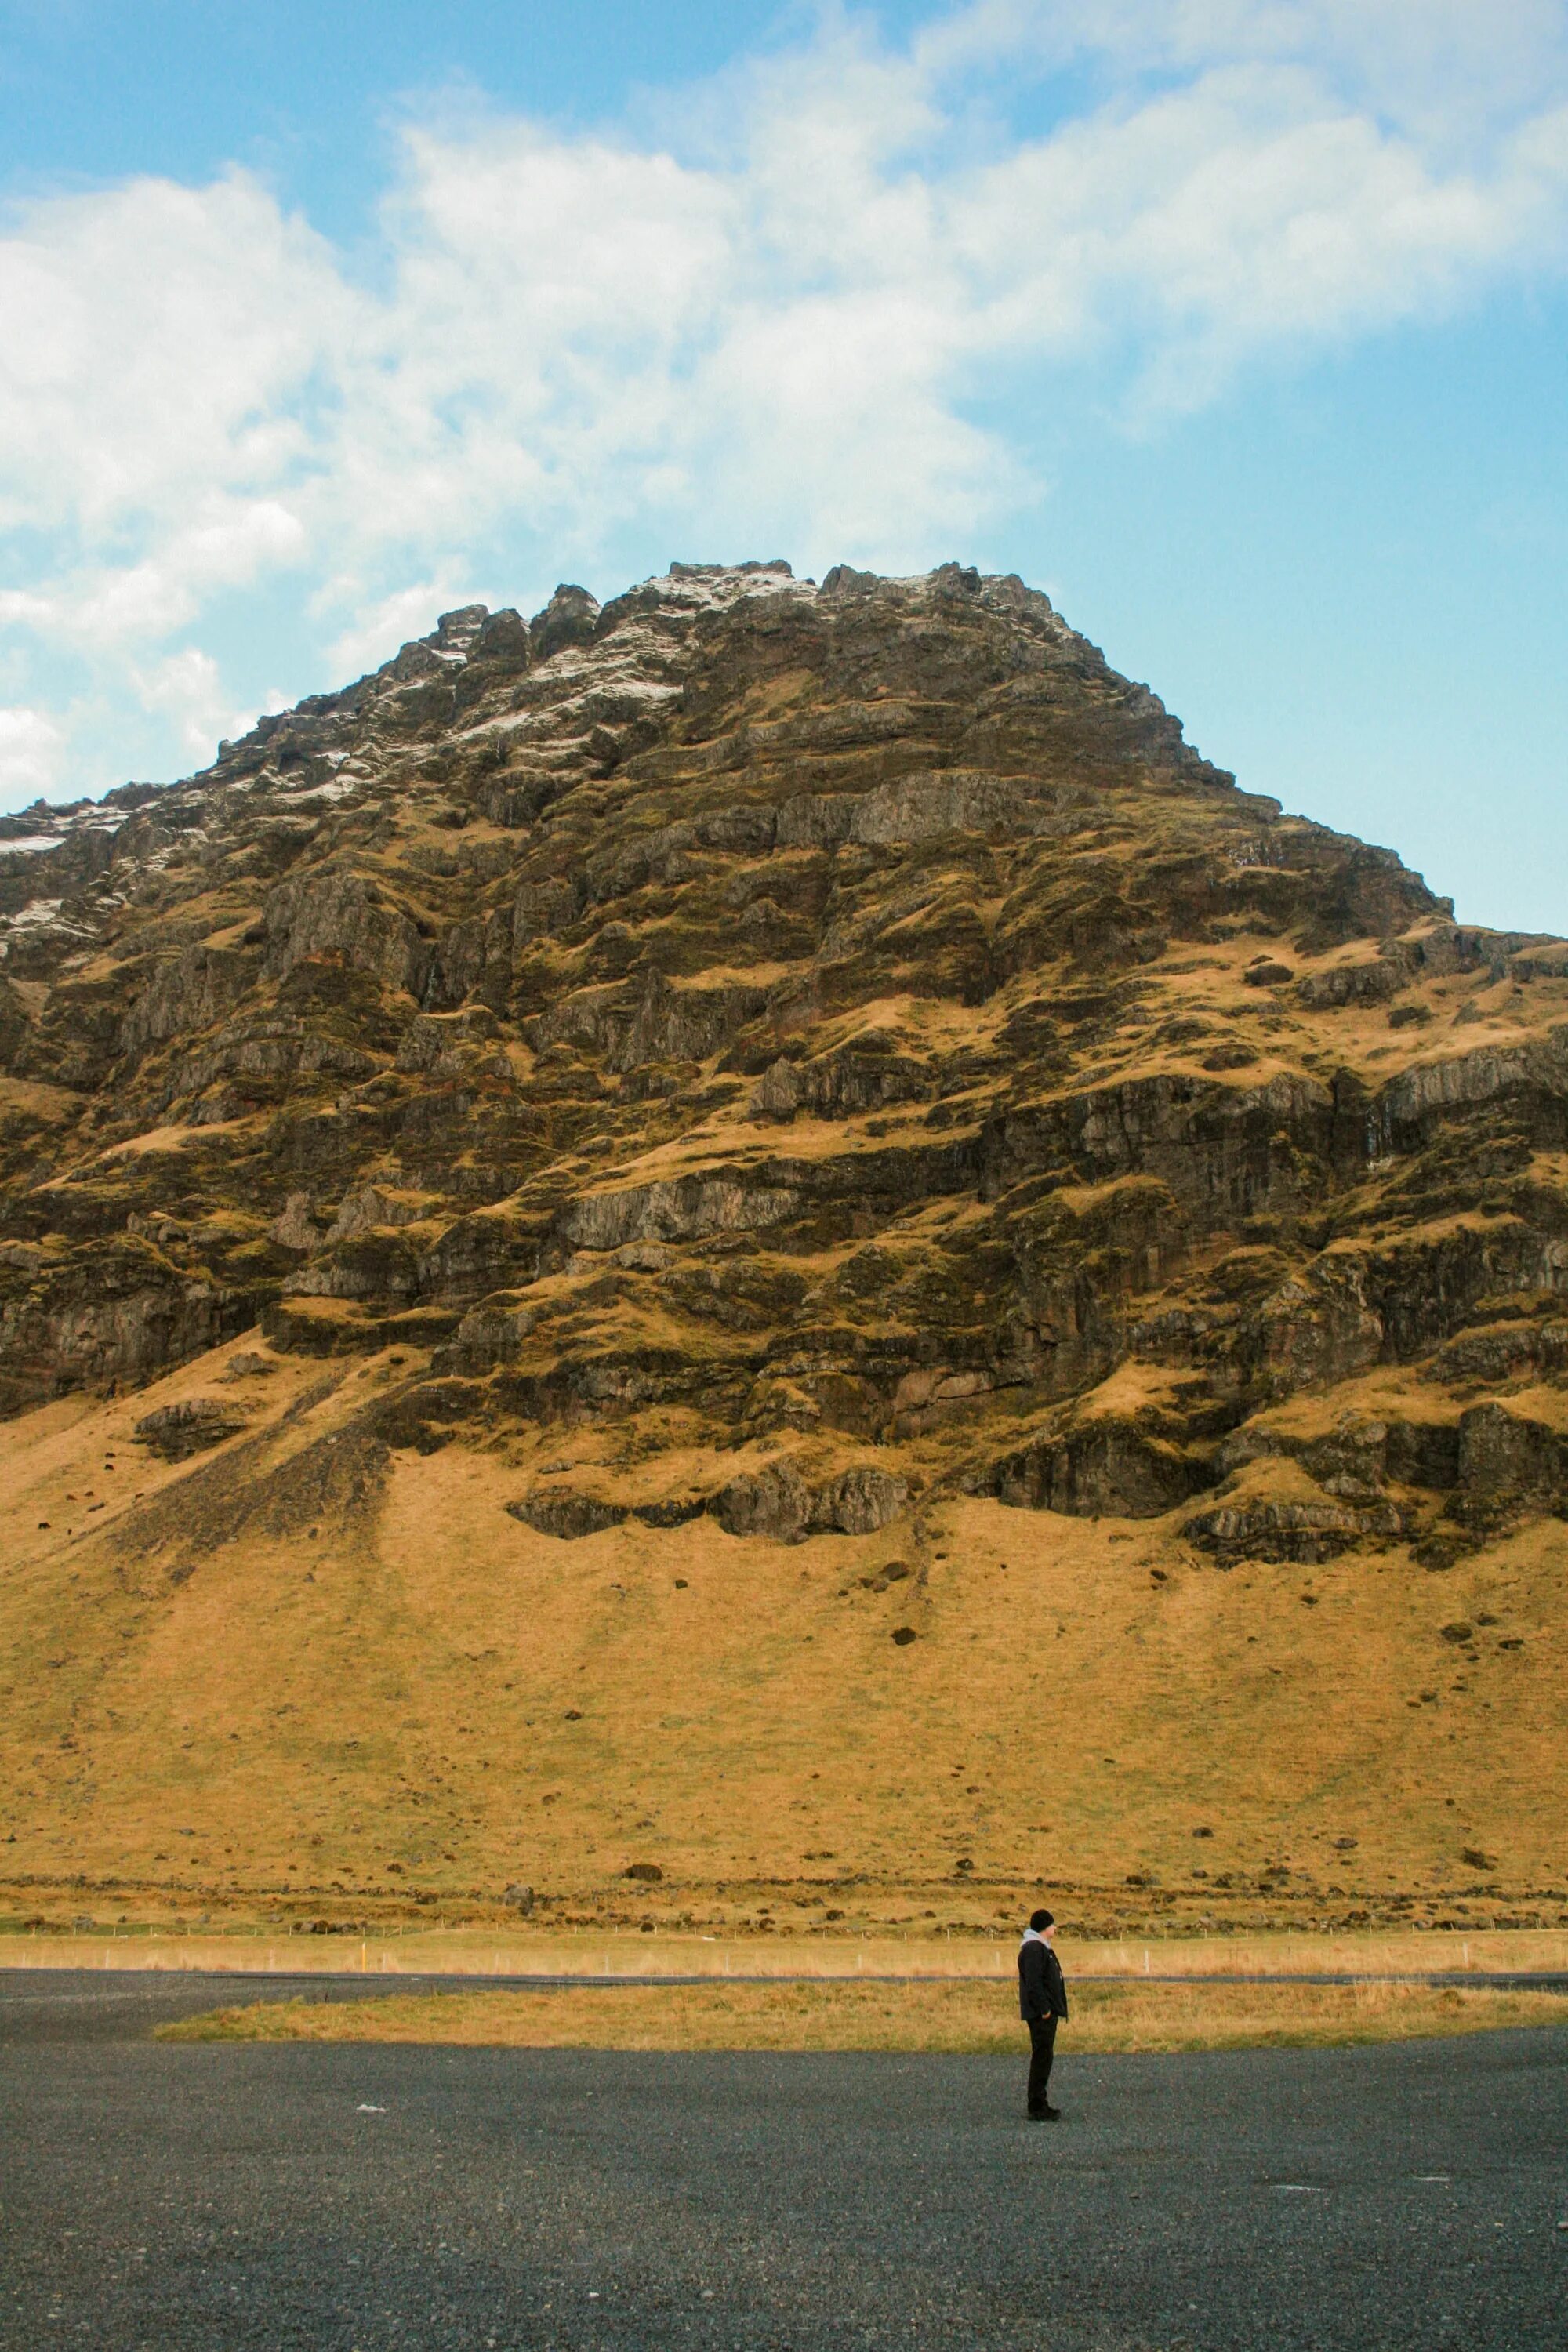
(158, 2198)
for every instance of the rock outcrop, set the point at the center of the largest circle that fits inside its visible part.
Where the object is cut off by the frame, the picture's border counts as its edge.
(841, 1025)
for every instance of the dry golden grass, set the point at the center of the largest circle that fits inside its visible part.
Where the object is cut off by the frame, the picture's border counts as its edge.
(482, 1952)
(938, 2017)
(439, 1699)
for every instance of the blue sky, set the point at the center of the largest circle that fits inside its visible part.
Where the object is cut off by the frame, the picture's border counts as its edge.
(1238, 325)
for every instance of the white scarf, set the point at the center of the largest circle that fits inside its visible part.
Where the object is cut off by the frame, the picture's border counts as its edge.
(1032, 1936)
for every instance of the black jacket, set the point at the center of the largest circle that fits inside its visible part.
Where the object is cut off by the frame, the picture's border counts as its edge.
(1041, 1992)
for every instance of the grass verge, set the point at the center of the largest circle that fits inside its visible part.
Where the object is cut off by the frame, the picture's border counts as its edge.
(938, 2017)
(482, 1952)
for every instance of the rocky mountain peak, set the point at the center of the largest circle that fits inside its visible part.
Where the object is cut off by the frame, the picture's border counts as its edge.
(788, 1051)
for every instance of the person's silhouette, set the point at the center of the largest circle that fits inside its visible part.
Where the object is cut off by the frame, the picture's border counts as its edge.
(1042, 2001)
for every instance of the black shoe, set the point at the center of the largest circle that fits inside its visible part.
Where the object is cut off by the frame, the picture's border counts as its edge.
(1045, 2115)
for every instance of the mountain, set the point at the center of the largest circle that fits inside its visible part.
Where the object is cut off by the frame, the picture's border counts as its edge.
(765, 1228)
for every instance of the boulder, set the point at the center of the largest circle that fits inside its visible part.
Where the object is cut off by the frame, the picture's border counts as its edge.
(1510, 1458)
(1364, 983)
(858, 1501)
(1269, 1528)
(673, 1511)
(775, 1502)
(175, 1431)
(1104, 1467)
(558, 1511)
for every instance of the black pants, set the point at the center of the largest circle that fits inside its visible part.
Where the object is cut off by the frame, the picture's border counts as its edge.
(1042, 2049)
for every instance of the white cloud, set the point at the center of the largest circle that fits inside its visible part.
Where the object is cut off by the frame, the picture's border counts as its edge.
(1435, 65)
(1237, 216)
(188, 687)
(30, 749)
(769, 334)
(160, 342)
(382, 628)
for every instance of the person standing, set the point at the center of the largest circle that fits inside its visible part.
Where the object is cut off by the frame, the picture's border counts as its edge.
(1042, 2003)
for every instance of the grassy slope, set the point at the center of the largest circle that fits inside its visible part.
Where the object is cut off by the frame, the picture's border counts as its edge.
(397, 1688)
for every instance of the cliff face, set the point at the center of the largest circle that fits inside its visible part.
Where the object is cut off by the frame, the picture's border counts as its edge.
(778, 1073)
(839, 1031)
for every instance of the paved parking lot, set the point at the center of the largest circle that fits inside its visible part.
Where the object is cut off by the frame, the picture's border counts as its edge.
(198, 2198)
